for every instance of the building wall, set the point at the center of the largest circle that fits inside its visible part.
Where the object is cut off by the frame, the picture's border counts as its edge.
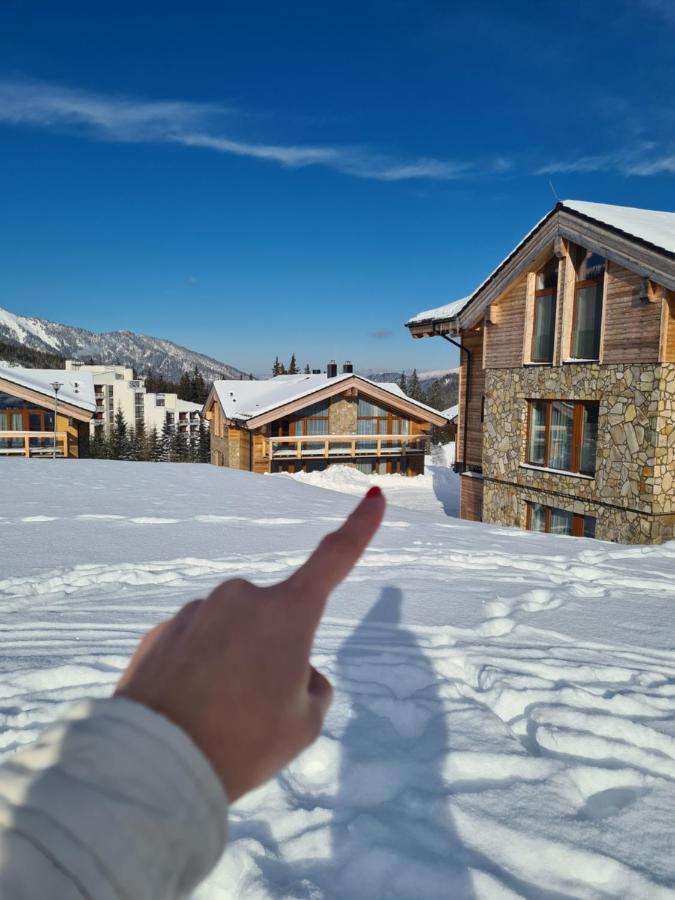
(471, 497)
(473, 341)
(631, 329)
(630, 494)
(342, 415)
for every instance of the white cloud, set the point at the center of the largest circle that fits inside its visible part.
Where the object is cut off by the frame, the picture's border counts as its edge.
(200, 125)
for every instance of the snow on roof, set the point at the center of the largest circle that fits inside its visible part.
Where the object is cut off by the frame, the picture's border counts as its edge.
(448, 311)
(451, 412)
(653, 226)
(245, 399)
(77, 387)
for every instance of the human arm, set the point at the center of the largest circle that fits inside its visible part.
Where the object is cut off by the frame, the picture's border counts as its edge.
(214, 702)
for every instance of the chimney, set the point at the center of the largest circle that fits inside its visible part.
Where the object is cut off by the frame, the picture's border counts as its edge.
(331, 369)
(347, 367)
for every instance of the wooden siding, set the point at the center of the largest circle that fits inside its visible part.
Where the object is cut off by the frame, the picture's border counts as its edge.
(631, 328)
(471, 498)
(669, 327)
(473, 341)
(504, 338)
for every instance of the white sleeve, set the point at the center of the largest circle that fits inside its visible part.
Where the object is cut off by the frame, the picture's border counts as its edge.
(113, 802)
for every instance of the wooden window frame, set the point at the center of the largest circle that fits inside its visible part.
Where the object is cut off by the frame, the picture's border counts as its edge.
(541, 292)
(577, 434)
(578, 519)
(578, 285)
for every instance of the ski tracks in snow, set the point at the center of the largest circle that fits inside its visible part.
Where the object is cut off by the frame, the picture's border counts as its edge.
(496, 759)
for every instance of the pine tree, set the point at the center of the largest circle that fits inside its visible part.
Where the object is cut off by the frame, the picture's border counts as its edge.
(308, 371)
(119, 437)
(139, 443)
(293, 366)
(204, 443)
(403, 383)
(185, 387)
(179, 446)
(277, 368)
(98, 445)
(166, 443)
(154, 446)
(415, 389)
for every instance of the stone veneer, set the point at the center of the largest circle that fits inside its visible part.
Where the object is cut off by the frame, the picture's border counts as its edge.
(342, 415)
(220, 452)
(631, 495)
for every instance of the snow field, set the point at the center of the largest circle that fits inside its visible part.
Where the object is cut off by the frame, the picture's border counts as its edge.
(503, 716)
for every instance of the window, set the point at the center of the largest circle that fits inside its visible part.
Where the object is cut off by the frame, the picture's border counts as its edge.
(562, 434)
(588, 306)
(374, 419)
(159, 401)
(310, 420)
(551, 520)
(543, 331)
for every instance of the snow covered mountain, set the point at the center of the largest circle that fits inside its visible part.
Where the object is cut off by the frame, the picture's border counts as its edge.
(140, 351)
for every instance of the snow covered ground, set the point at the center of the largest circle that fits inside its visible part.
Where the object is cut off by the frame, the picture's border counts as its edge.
(437, 491)
(504, 716)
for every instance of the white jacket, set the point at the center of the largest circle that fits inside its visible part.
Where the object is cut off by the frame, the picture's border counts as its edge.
(113, 802)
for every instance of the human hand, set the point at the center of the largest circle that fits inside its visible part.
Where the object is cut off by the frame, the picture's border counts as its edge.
(233, 670)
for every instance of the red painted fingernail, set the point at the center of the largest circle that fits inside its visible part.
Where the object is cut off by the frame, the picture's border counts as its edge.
(374, 492)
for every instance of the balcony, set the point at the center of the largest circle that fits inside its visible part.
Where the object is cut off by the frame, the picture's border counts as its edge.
(346, 446)
(33, 443)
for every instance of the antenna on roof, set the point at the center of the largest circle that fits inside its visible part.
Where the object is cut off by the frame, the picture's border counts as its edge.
(550, 184)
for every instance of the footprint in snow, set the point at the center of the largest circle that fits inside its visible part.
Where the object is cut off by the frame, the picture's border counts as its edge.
(151, 520)
(39, 519)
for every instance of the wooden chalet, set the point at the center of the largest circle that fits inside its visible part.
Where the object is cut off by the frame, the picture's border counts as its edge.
(295, 423)
(567, 379)
(29, 405)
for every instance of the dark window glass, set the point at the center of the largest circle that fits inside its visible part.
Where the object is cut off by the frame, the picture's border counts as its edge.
(537, 448)
(563, 435)
(588, 307)
(552, 520)
(537, 517)
(560, 439)
(561, 521)
(546, 289)
(589, 438)
(589, 527)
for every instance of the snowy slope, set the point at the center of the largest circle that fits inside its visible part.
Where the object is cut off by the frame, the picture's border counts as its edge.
(141, 352)
(503, 721)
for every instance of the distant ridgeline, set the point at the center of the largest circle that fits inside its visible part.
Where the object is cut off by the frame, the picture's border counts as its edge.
(17, 355)
(191, 386)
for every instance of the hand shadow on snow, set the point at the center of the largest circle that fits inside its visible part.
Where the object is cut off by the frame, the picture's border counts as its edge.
(392, 832)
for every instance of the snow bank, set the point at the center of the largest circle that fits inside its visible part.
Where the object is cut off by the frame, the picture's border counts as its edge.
(504, 704)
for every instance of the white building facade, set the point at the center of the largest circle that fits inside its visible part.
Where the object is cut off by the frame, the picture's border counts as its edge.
(116, 389)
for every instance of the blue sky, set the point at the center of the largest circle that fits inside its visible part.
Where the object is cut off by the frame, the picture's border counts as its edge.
(259, 178)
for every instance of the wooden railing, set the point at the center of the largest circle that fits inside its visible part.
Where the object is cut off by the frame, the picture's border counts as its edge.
(33, 443)
(346, 445)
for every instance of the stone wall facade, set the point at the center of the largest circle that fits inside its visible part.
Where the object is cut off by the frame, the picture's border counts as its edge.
(342, 415)
(220, 451)
(631, 494)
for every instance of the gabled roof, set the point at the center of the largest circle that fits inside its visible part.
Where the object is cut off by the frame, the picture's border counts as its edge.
(641, 239)
(248, 401)
(648, 225)
(77, 387)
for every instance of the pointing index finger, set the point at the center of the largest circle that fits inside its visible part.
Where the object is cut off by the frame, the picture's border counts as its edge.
(338, 553)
